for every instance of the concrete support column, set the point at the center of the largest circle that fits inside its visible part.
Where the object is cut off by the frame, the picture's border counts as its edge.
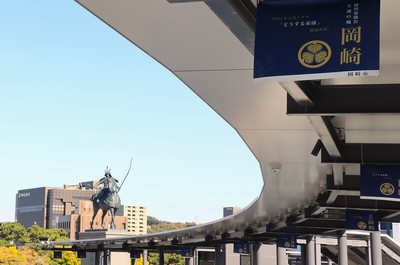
(317, 254)
(330, 262)
(303, 255)
(342, 247)
(161, 256)
(106, 257)
(368, 253)
(196, 257)
(310, 250)
(376, 248)
(254, 253)
(144, 256)
(97, 258)
(218, 255)
(189, 261)
(281, 257)
(223, 254)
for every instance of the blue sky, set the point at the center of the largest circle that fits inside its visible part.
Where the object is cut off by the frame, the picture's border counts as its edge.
(77, 97)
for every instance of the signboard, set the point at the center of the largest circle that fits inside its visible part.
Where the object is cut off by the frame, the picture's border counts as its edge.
(361, 220)
(81, 254)
(135, 253)
(57, 255)
(380, 182)
(241, 247)
(316, 39)
(287, 241)
(187, 252)
(24, 195)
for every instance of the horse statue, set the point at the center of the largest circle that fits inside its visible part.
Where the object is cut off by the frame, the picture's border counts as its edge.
(107, 199)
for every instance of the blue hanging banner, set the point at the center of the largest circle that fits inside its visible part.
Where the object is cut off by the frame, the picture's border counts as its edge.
(187, 252)
(316, 39)
(241, 247)
(380, 182)
(361, 220)
(135, 253)
(287, 241)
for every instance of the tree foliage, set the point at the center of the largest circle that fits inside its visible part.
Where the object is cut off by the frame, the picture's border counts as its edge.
(10, 255)
(155, 225)
(11, 233)
(37, 233)
(68, 258)
(152, 221)
(169, 259)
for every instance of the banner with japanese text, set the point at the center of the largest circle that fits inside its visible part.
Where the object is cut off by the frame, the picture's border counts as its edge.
(361, 220)
(380, 182)
(316, 39)
(287, 241)
(241, 247)
(187, 252)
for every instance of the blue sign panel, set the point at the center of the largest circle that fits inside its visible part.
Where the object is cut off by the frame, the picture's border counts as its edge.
(241, 247)
(187, 252)
(380, 182)
(361, 220)
(316, 39)
(135, 254)
(287, 241)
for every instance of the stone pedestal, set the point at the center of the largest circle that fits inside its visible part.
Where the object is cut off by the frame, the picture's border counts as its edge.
(103, 256)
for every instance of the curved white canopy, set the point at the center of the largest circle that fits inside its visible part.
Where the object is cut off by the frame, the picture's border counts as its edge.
(203, 46)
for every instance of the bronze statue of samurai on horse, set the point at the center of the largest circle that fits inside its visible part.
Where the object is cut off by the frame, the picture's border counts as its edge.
(107, 199)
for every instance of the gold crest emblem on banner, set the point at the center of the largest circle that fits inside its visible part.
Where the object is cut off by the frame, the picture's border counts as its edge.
(314, 54)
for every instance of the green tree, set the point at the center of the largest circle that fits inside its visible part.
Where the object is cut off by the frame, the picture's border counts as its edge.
(152, 220)
(174, 259)
(165, 226)
(31, 254)
(169, 259)
(156, 225)
(152, 258)
(12, 231)
(36, 233)
(56, 234)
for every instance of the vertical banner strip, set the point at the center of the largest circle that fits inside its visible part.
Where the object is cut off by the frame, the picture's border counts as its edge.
(380, 182)
(310, 39)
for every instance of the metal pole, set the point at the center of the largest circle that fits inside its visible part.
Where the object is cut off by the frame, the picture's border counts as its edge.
(317, 254)
(368, 254)
(145, 256)
(196, 257)
(223, 254)
(303, 255)
(376, 248)
(281, 256)
(97, 258)
(106, 257)
(311, 250)
(217, 255)
(342, 245)
(254, 253)
(161, 256)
